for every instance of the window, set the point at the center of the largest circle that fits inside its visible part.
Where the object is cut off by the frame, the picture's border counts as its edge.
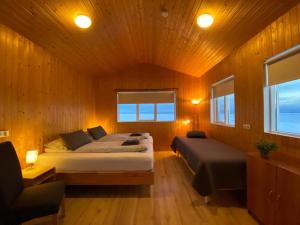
(282, 93)
(222, 102)
(151, 106)
(165, 112)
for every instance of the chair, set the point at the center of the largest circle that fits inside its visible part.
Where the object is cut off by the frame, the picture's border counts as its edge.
(19, 204)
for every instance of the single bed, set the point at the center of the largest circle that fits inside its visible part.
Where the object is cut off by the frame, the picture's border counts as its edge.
(103, 168)
(216, 166)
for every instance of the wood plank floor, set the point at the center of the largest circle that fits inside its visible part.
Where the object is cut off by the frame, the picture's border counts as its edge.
(171, 201)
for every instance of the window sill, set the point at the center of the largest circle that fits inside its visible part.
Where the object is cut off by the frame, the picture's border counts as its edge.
(223, 124)
(283, 134)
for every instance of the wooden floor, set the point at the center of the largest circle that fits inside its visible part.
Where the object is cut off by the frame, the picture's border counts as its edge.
(171, 201)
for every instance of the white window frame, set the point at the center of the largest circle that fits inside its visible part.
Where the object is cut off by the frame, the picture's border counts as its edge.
(271, 97)
(155, 110)
(214, 106)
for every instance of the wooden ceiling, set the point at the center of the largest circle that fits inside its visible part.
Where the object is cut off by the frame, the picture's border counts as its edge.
(129, 32)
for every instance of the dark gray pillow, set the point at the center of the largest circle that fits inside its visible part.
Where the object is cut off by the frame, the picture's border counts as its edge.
(196, 134)
(131, 142)
(76, 139)
(97, 132)
(135, 134)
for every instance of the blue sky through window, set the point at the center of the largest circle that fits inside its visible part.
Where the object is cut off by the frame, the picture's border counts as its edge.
(231, 113)
(146, 111)
(220, 112)
(166, 112)
(288, 118)
(128, 112)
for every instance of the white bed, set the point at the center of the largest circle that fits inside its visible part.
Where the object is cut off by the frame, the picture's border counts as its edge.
(106, 168)
(70, 162)
(124, 137)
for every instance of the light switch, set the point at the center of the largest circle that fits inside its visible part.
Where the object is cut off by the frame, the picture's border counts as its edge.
(4, 133)
(247, 126)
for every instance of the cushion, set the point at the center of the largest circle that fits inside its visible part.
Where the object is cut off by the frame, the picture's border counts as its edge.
(37, 201)
(11, 184)
(196, 134)
(58, 145)
(76, 139)
(97, 132)
(131, 142)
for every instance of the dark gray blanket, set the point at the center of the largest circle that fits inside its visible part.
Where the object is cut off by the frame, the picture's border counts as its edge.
(217, 165)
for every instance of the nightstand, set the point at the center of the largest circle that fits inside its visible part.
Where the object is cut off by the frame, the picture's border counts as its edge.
(38, 175)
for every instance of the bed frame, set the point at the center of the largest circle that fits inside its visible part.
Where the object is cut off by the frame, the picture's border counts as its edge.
(108, 178)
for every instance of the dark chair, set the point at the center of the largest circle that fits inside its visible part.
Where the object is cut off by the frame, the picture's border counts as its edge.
(19, 204)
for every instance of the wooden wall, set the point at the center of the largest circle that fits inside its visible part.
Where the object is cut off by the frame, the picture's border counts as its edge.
(40, 96)
(146, 76)
(246, 63)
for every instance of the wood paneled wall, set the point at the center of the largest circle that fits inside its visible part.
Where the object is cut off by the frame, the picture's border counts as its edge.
(246, 64)
(147, 76)
(40, 96)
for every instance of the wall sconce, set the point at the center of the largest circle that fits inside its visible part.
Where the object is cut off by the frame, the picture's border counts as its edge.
(186, 122)
(196, 101)
(31, 157)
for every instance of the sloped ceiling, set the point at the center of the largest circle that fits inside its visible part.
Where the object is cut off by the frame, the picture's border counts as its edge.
(130, 32)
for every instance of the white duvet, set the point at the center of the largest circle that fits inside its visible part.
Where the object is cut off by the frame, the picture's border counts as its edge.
(111, 146)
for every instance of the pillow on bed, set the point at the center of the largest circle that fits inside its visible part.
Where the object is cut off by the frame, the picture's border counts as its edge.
(131, 142)
(196, 134)
(97, 132)
(136, 134)
(58, 145)
(76, 139)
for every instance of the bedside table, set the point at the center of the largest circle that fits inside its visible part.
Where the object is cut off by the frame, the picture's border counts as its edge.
(38, 175)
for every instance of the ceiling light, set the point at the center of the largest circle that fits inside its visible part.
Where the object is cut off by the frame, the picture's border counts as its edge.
(83, 21)
(205, 20)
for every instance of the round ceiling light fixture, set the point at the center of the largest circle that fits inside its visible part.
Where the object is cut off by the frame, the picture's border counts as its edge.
(205, 20)
(83, 21)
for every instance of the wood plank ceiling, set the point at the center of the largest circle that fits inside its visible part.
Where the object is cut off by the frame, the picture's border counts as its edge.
(129, 32)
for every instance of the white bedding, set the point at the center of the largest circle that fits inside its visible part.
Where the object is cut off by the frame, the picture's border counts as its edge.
(124, 137)
(68, 162)
(111, 147)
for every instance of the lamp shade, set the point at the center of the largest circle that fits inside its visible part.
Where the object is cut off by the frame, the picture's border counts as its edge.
(31, 156)
(196, 101)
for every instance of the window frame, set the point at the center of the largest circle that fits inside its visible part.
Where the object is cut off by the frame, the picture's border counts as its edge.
(271, 112)
(214, 117)
(155, 109)
(270, 99)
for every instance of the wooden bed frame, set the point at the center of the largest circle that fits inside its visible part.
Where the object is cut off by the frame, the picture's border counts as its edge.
(109, 178)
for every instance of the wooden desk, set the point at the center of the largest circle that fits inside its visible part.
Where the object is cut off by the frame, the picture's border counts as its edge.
(38, 175)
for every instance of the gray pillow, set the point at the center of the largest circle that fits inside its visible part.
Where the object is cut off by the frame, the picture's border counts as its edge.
(131, 142)
(196, 134)
(97, 132)
(76, 139)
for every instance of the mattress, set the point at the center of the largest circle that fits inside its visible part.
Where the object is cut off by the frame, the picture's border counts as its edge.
(68, 162)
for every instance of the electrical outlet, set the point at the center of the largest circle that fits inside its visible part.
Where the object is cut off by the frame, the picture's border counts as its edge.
(4, 133)
(247, 126)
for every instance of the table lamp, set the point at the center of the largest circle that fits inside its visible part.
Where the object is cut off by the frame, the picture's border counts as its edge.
(31, 157)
